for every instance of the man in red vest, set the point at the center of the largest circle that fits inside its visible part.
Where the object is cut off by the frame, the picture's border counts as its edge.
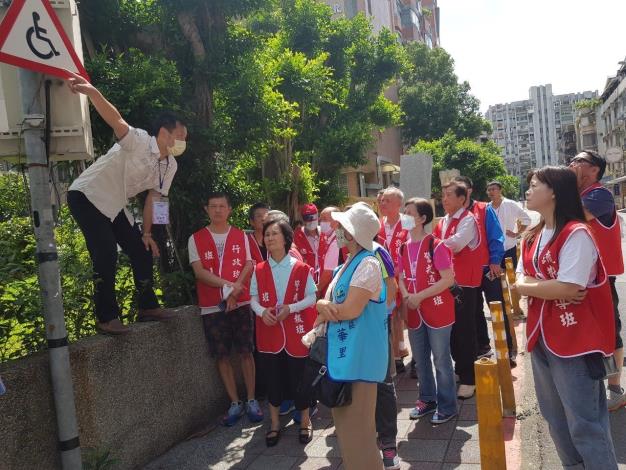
(459, 232)
(391, 236)
(328, 251)
(256, 217)
(220, 257)
(604, 222)
(491, 250)
(307, 238)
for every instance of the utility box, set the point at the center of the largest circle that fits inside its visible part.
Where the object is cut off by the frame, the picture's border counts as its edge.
(70, 126)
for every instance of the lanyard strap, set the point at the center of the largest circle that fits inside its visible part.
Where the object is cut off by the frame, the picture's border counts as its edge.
(162, 178)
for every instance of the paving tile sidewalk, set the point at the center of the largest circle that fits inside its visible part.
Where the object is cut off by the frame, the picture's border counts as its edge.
(453, 445)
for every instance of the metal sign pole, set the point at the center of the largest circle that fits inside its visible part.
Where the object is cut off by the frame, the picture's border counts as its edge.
(31, 84)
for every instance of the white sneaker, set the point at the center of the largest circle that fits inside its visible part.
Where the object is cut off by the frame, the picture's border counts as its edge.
(465, 391)
(615, 401)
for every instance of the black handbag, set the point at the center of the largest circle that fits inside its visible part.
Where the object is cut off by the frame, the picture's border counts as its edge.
(329, 392)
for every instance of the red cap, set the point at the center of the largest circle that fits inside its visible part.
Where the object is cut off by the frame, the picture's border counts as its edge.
(308, 210)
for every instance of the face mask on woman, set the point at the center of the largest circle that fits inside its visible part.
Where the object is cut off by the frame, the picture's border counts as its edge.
(342, 241)
(311, 225)
(407, 221)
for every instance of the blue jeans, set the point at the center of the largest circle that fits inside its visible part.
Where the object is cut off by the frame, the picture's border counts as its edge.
(574, 405)
(424, 341)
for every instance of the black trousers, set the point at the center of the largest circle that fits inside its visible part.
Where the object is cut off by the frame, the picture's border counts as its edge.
(102, 237)
(493, 293)
(463, 343)
(386, 406)
(283, 376)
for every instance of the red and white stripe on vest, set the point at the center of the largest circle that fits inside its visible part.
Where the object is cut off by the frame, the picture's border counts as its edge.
(255, 251)
(468, 267)
(287, 334)
(306, 250)
(568, 329)
(479, 209)
(230, 268)
(608, 239)
(419, 274)
(398, 237)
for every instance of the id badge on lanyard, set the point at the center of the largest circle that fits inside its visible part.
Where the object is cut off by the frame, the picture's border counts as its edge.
(161, 205)
(161, 211)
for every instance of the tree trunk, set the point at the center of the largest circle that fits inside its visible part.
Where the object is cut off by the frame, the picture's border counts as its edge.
(203, 92)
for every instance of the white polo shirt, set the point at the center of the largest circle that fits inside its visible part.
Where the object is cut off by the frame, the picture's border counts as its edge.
(509, 212)
(130, 167)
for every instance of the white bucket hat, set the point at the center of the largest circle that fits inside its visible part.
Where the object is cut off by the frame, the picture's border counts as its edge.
(361, 222)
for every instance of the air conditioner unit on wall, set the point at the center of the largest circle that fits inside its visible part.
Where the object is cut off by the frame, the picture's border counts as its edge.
(69, 114)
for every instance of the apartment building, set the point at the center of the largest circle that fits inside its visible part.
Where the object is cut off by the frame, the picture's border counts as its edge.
(538, 131)
(411, 20)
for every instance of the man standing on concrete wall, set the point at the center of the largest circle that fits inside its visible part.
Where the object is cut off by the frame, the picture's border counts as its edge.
(97, 199)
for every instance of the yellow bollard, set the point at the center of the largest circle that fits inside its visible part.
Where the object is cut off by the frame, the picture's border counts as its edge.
(502, 355)
(507, 302)
(490, 435)
(510, 275)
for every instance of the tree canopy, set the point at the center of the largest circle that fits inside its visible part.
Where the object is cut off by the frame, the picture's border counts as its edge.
(432, 99)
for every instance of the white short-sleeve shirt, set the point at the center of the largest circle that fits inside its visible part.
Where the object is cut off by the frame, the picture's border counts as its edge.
(577, 258)
(131, 166)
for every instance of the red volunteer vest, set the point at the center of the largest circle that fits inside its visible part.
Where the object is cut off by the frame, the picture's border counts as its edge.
(479, 209)
(287, 334)
(468, 266)
(255, 251)
(233, 262)
(419, 274)
(304, 247)
(568, 329)
(397, 239)
(608, 239)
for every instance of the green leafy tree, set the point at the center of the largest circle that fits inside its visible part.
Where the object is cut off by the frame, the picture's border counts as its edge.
(481, 162)
(433, 101)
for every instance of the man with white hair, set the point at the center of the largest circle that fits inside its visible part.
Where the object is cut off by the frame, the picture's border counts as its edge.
(391, 236)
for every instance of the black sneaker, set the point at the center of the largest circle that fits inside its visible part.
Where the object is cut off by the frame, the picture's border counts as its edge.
(485, 351)
(391, 461)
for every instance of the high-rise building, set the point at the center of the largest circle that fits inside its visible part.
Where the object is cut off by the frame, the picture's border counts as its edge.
(538, 131)
(411, 20)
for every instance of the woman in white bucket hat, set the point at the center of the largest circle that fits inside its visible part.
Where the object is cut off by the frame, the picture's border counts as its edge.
(356, 315)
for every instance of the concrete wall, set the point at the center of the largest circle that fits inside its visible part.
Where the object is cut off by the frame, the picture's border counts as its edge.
(136, 395)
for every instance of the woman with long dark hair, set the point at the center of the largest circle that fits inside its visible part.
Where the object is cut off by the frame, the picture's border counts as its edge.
(570, 325)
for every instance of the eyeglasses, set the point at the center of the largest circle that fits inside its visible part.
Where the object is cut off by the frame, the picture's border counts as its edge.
(589, 158)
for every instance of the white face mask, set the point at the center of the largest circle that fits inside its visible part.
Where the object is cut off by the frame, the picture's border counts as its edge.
(407, 221)
(178, 148)
(310, 226)
(341, 238)
(325, 227)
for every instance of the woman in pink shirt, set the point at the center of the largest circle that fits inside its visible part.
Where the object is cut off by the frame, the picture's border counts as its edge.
(425, 267)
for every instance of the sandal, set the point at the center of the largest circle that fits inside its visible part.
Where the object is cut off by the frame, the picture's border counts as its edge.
(305, 435)
(272, 437)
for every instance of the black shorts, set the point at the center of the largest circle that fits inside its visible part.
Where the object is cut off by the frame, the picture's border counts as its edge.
(618, 322)
(228, 332)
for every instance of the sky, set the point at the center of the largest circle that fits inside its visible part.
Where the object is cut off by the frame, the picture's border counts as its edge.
(503, 47)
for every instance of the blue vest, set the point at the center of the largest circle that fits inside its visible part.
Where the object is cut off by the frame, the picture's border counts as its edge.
(358, 349)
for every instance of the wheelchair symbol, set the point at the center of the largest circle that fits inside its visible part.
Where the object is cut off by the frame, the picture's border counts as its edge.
(40, 33)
